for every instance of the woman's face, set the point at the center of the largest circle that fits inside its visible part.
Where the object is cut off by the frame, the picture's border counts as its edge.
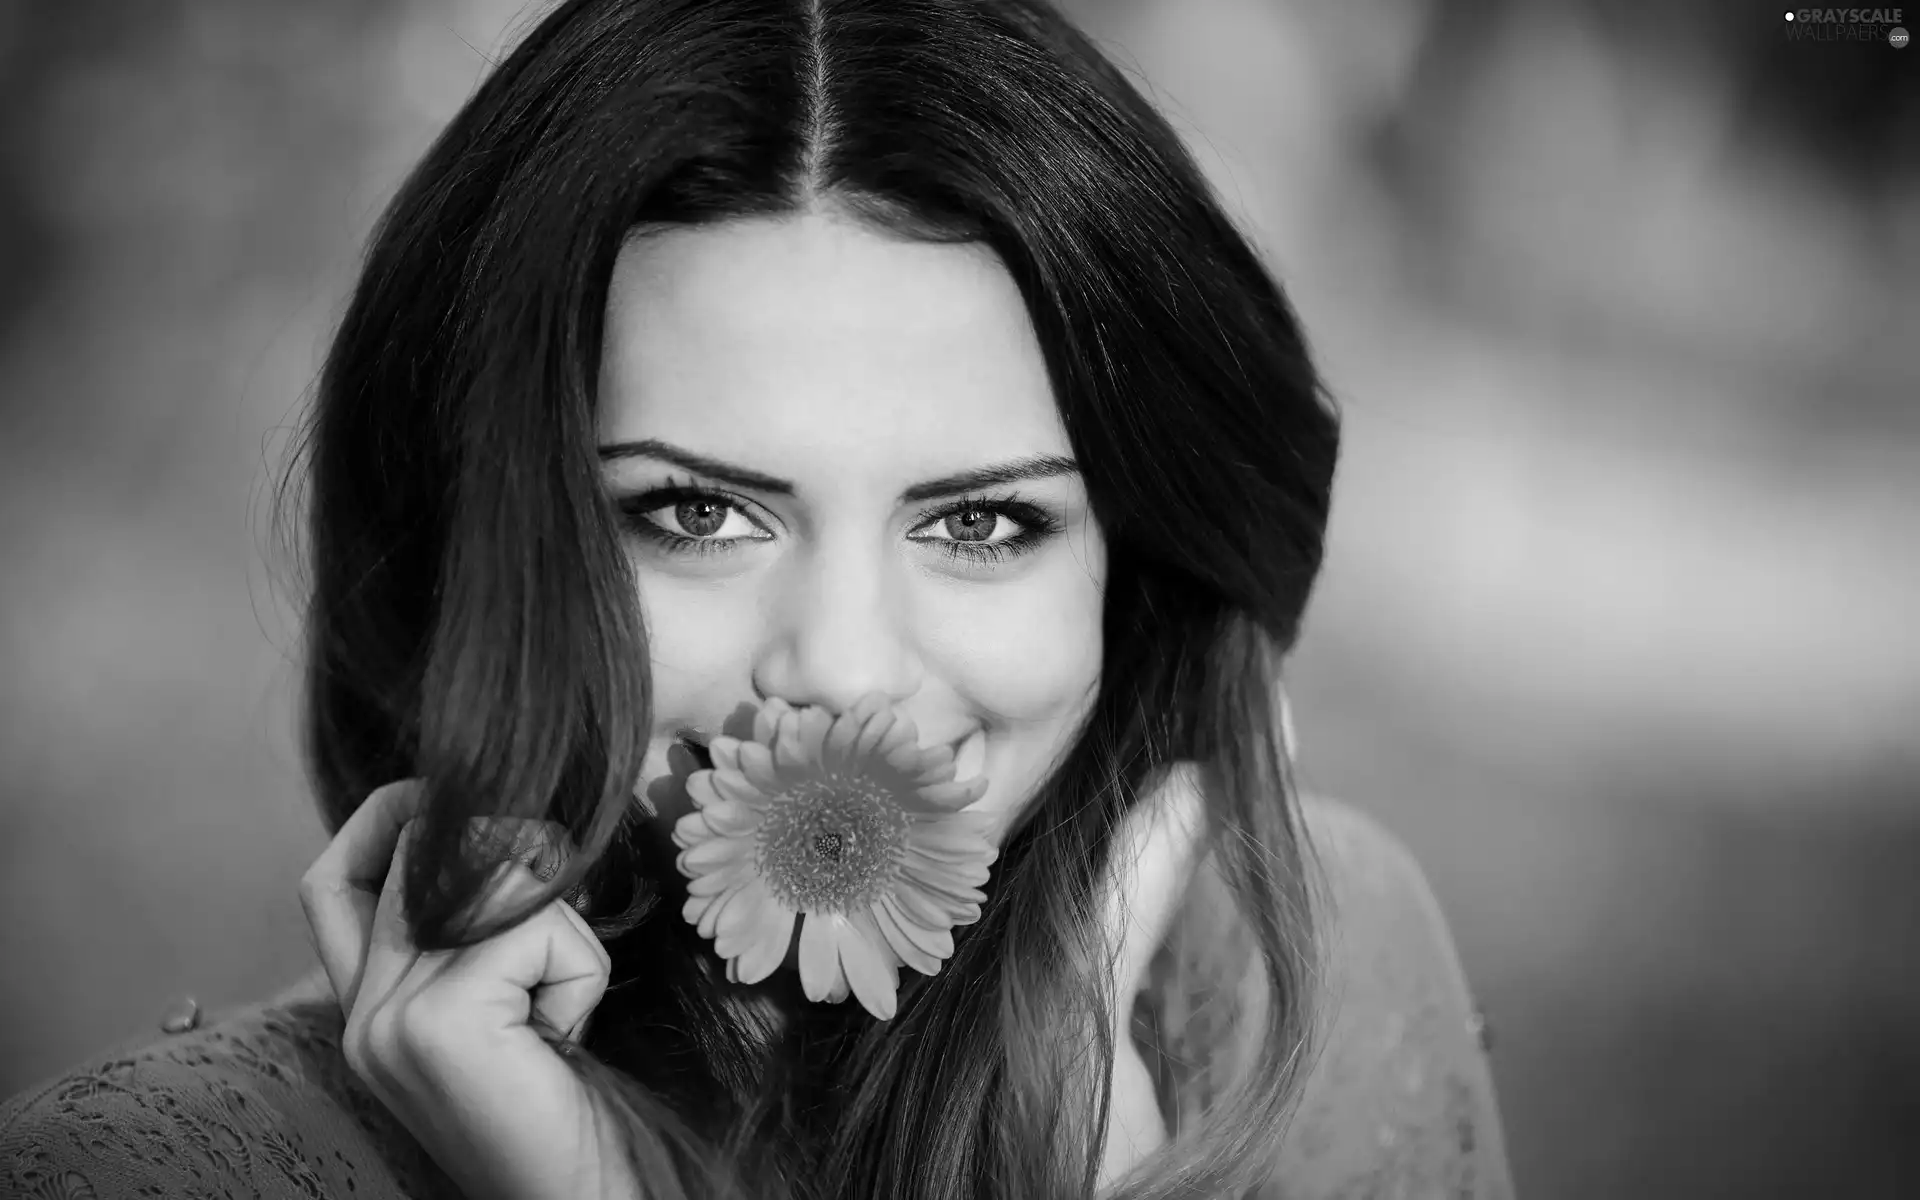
(842, 471)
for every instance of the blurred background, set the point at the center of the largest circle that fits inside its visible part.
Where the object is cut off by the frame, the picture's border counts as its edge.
(1622, 302)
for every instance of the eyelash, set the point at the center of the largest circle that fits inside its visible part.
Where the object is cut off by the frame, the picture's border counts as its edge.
(1036, 524)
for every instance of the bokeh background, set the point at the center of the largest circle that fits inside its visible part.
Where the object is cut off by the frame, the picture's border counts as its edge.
(1622, 301)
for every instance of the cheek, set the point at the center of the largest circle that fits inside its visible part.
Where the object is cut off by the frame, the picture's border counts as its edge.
(701, 639)
(1028, 652)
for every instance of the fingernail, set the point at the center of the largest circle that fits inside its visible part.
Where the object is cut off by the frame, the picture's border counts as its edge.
(183, 1017)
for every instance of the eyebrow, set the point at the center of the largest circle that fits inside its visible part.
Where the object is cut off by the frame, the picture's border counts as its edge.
(1037, 466)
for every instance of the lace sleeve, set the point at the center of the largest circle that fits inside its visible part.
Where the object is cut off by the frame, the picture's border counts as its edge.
(260, 1105)
(1400, 1100)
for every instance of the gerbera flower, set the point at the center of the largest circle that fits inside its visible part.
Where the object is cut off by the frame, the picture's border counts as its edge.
(847, 822)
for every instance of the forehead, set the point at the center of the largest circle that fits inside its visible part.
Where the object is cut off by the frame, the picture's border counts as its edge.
(817, 342)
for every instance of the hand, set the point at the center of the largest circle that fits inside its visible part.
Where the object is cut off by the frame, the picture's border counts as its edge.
(444, 1039)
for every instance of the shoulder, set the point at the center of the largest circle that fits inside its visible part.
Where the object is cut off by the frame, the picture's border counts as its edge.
(1374, 893)
(259, 1103)
(1399, 1098)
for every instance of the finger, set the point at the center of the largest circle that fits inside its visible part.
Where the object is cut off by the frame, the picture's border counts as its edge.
(515, 883)
(577, 1027)
(543, 847)
(541, 850)
(391, 952)
(550, 965)
(341, 890)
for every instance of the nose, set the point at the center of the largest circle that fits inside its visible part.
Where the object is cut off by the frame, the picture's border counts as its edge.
(839, 630)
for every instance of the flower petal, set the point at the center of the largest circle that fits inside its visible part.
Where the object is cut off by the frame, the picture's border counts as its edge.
(861, 713)
(696, 906)
(692, 829)
(718, 880)
(960, 879)
(941, 889)
(699, 787)
(735, 789)
(875, 734)
(904, 735)
(743, 923)
(714, 852)
(756, 763)
(917, 905)
(867, 967)
(903, 757)
(767, 721)
(976, 822)
(837, 751)
(933, 910)
(951, 845)
(793, 757)
(768, 942)
(710, 920)
(917, 947)
(812, 726)
(889, 953)
(729, 818)
(819, 956)
(725, 753)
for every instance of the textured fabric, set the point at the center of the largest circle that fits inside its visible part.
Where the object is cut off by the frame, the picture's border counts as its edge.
(260, 1103)
(1397, 1096)
(1399, 1099)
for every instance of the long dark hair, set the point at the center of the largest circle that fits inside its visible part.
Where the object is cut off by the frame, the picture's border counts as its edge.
(472, 620)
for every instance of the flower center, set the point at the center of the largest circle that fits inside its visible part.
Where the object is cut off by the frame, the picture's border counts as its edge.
(830, 844)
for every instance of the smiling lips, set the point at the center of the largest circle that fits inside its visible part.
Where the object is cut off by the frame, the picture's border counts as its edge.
(970, 755)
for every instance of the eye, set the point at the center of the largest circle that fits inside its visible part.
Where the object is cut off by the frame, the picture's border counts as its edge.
(984, 532)
(975, 524)
(702, 517)
(683, 520)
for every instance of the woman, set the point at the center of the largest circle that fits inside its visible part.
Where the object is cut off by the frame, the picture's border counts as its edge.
(881, 372)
